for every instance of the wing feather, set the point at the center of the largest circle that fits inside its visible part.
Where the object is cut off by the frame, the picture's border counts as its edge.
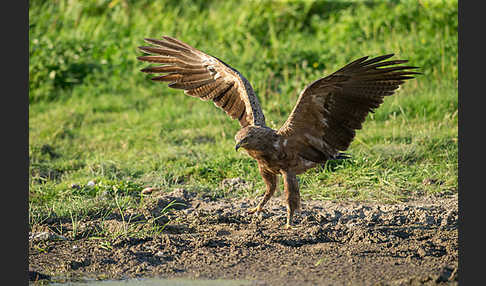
(330, 110)
(191, 84)
(173, 69)
(203, 76)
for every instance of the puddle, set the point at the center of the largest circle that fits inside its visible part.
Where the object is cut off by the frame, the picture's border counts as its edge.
(159, 282)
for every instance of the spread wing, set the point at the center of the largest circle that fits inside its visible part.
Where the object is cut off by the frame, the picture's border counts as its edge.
(203, 76)
(330, 109)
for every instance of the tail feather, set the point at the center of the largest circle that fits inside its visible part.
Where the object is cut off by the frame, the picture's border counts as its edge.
(341, 156)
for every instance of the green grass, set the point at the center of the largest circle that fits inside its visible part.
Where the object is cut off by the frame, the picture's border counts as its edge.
(94, 116)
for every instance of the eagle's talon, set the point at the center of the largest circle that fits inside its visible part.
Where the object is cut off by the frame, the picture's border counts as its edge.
(256, 210)
(288, 226)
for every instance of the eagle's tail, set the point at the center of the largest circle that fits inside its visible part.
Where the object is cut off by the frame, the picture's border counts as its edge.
(341, 156)
(338, 156)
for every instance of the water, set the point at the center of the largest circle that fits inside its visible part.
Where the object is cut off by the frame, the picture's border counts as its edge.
(158, 282)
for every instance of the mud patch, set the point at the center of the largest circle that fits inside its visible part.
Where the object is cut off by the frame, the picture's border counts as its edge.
(414, 243)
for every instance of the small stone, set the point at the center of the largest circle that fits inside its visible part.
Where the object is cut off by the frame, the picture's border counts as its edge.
(40, 236)
(90, 184)
(149, 190)
(43, 236)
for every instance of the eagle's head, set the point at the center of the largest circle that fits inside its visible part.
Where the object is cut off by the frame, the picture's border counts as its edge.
(255, 137)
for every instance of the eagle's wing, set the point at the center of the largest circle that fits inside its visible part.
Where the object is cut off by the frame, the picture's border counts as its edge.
(330, 109)
(203, 76)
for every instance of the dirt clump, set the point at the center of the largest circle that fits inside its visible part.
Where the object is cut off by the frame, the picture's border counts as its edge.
(332, 243)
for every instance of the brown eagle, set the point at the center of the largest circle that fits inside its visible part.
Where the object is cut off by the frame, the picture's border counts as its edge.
(323, 122)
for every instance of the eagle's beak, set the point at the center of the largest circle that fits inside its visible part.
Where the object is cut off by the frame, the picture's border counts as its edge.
(237, 146)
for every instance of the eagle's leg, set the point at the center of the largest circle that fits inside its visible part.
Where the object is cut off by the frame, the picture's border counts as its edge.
(271, 181)
(292, 195)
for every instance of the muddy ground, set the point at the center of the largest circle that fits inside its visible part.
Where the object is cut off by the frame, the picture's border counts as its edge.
(332, 243)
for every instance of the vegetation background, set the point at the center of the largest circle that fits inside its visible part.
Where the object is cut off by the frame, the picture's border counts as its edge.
(93, 116)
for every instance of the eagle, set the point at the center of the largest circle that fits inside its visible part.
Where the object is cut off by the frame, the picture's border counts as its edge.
(323, 122)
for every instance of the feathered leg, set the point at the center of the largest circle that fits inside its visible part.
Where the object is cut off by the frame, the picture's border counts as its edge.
(271, 181)
(292, 195)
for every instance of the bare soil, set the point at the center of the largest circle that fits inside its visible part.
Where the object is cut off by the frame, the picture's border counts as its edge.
(332, 243)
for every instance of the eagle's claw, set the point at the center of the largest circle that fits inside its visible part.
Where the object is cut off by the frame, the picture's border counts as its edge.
(255, 210)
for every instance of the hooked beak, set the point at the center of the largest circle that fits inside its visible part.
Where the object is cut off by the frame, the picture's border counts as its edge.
(237, 146)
